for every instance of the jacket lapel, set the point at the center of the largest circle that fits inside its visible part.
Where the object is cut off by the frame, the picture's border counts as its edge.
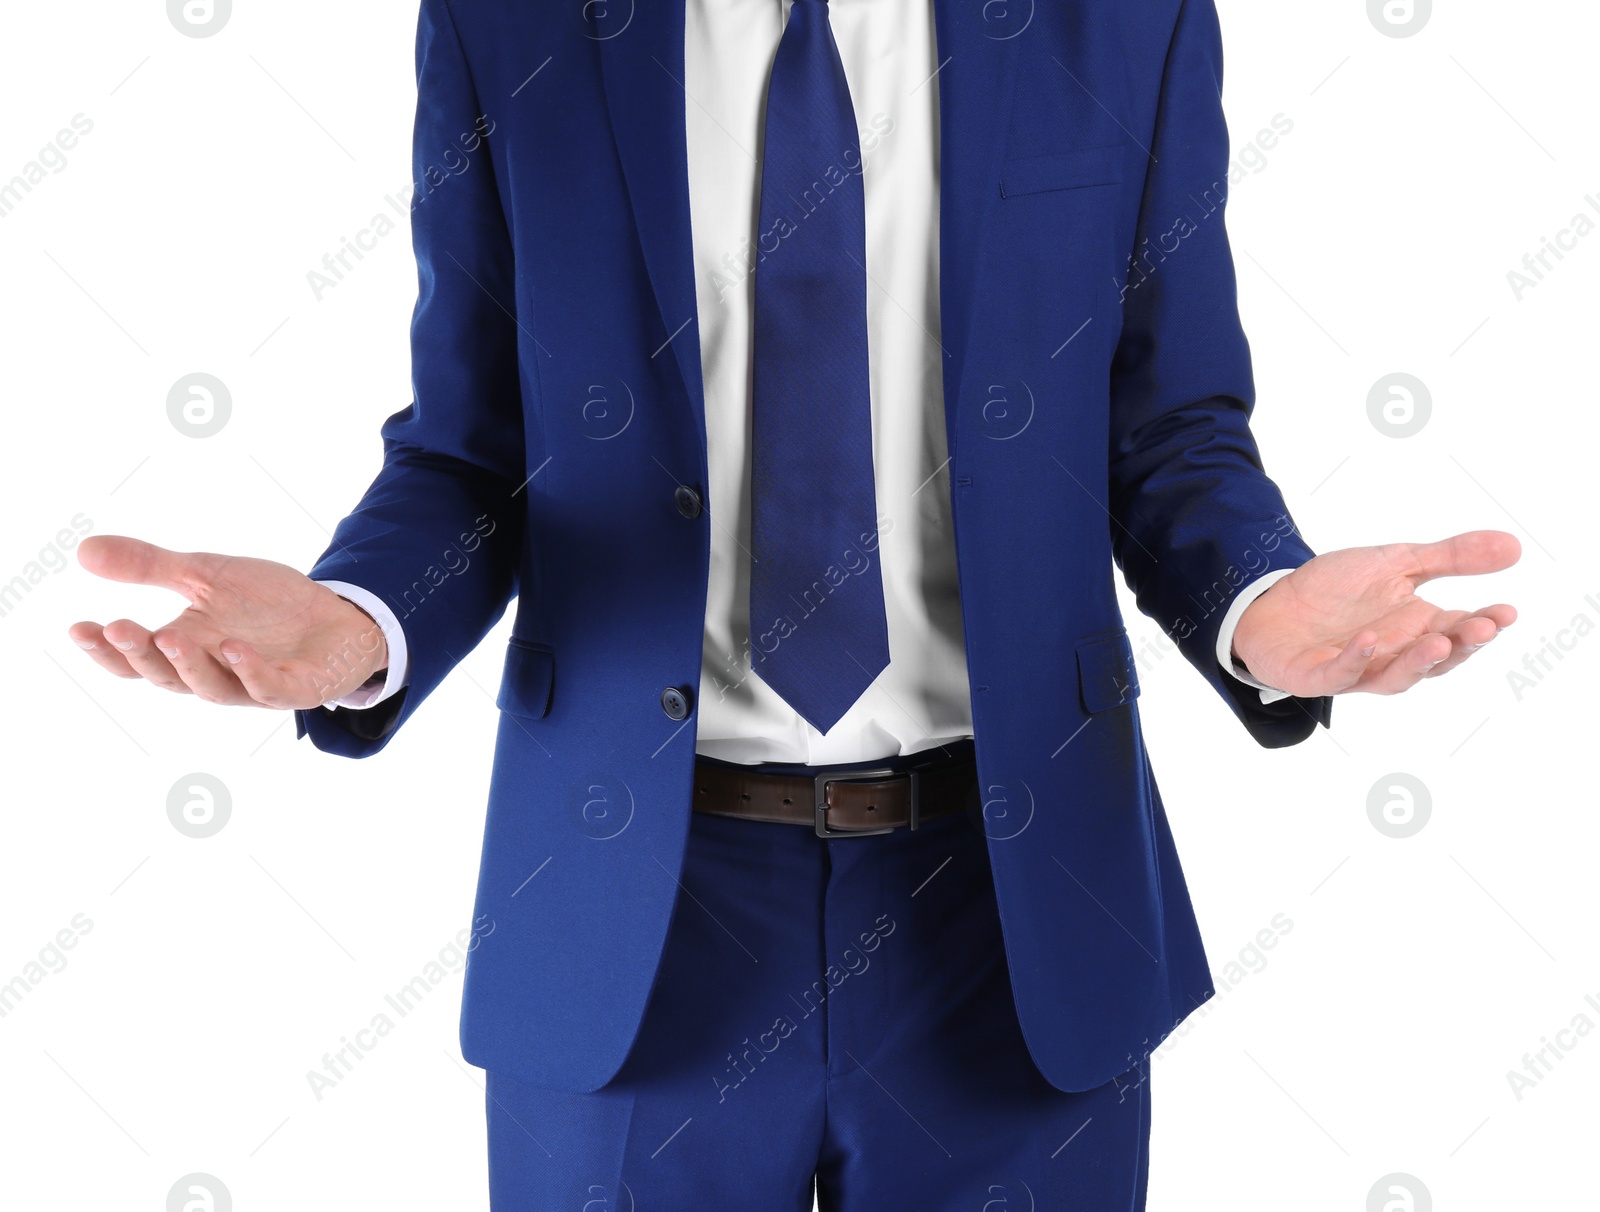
(977, 46)
(640, 46)
(641, 59)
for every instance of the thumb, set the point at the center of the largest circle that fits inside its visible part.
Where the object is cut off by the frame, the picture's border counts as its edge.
(123, 559)
(1471, 554)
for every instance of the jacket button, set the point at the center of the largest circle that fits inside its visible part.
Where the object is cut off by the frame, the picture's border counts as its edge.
(675, 703)
(688, 501)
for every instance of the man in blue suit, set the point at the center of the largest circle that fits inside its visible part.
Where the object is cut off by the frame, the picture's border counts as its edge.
(801, 371)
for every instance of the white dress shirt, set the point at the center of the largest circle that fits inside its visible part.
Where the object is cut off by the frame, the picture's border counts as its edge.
(921, 699)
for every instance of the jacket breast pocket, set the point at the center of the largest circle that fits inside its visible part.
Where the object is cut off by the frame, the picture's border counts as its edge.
(1076, 169)
(526, 682)
(1108, 676)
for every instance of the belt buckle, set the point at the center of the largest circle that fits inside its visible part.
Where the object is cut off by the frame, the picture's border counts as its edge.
(820, 798)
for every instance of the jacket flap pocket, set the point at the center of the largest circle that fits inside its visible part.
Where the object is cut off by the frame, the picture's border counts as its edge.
(525, 684)
(1064, 170)
(1107, 673)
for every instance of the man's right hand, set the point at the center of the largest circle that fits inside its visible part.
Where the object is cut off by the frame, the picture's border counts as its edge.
(256, 633)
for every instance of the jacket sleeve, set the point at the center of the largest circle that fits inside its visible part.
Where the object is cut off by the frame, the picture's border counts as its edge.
(438, 534)
(1195, 518)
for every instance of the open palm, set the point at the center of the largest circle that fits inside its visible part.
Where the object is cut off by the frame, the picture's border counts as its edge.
(255, 632)
(1351, 620)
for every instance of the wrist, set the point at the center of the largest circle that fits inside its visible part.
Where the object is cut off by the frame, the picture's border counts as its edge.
(1247, 622)
(370, 642)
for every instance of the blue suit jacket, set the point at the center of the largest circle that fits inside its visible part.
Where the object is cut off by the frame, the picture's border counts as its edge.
(552, 238)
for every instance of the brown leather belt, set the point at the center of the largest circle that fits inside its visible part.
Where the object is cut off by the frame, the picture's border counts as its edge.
(849, 802)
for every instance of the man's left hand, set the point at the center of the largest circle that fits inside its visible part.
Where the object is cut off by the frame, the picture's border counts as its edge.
(1351, 620)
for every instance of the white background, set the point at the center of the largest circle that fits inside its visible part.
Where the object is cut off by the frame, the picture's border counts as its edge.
(1377, 238)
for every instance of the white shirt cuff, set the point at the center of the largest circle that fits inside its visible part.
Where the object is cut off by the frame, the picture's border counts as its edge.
(1230, 623)
(373, 692)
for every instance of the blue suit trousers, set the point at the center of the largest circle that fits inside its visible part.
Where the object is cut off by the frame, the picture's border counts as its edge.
(832, 1021)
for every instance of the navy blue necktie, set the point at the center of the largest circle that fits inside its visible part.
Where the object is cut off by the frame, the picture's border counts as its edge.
(819, 634)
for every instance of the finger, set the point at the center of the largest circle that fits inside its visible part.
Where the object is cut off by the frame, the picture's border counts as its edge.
(1348, 667)
(1481, 624)
(90, 638)
(133, 641)
(1467, 635)
(1410, 665)
(123, 559)
(1473, 631)
(264, 682)
(199, 670)
(1502, 613)
(1473, 553)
